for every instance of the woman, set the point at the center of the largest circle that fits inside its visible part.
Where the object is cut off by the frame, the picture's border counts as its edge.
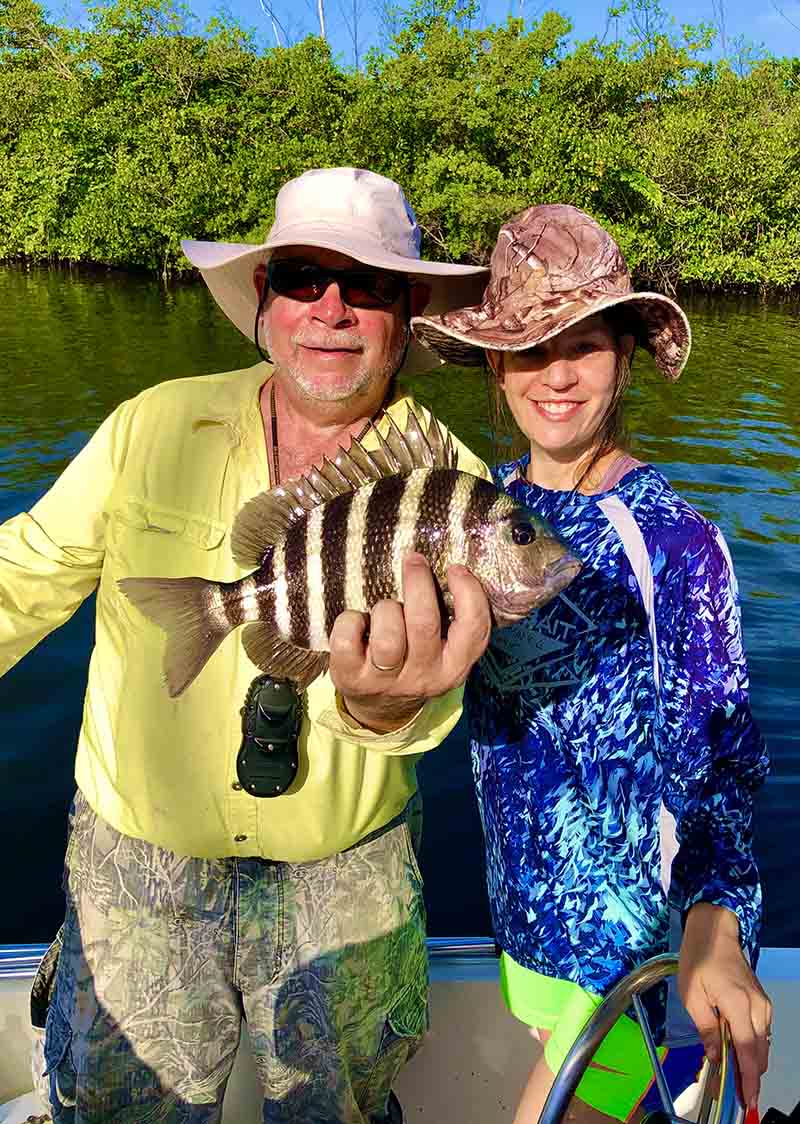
(614, 752)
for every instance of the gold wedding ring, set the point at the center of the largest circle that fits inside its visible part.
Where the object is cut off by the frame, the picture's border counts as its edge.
(386, 667)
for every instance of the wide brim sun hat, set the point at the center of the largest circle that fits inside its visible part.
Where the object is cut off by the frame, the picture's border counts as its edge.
(349, 210)
(553, 266)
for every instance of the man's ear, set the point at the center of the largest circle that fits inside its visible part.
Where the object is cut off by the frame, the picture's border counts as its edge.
(420, 294)
(260, 278)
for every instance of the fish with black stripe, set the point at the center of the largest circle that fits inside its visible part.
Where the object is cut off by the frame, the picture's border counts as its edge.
(335, 539)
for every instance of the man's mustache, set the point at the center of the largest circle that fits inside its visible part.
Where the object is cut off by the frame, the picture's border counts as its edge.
(332, 341)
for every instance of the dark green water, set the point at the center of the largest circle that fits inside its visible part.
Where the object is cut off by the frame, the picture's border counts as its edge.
(728, 436)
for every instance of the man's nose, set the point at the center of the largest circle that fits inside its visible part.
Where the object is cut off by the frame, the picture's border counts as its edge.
(331, 309)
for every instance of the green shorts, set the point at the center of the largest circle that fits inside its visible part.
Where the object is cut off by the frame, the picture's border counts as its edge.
(562, 1007)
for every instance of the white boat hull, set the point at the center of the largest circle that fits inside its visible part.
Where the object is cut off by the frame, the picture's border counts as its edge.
(474, 1062)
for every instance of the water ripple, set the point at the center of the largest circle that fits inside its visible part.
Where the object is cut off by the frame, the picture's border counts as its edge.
(727, 435)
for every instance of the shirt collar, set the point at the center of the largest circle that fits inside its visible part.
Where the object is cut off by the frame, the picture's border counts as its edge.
(234, 402)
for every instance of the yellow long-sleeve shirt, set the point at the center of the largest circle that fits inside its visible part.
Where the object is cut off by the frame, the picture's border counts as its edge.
(155, 493)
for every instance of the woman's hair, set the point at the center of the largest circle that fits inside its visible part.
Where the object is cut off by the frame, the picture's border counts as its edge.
(510, 442)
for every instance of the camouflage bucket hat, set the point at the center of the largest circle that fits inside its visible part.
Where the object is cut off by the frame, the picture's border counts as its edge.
(553, 266)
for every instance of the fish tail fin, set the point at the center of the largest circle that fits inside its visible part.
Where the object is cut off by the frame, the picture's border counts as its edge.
(186, 609)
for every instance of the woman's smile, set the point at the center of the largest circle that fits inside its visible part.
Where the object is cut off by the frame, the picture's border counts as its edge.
(557, 410)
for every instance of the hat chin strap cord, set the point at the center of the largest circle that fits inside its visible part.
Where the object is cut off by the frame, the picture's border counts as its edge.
(262, 300)
(407, 327)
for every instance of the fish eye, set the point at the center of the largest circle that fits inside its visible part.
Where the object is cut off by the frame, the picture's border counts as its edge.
(522, 534)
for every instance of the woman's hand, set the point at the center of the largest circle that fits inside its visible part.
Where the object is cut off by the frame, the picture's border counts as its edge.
(716, 982)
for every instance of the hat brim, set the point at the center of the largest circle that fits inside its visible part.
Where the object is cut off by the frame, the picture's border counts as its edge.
(664, 332)
(228, 268)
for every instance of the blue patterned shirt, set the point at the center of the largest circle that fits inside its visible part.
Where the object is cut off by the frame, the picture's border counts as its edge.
(613, 747)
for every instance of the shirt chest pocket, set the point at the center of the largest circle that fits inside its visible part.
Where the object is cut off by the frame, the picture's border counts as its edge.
(148, 540)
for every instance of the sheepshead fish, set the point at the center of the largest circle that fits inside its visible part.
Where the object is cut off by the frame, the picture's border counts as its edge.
(335, 539)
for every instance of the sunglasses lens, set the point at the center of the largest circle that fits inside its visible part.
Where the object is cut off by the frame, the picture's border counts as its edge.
(302, 281)
(370, 290)
(297, 280)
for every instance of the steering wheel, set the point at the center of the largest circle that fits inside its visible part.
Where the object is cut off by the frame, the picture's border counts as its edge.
(720, 1101)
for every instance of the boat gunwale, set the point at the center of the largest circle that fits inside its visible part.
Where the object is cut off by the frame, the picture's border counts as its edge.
(449, 958)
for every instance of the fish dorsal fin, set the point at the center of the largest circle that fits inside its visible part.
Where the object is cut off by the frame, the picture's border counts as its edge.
(444, 452)
(367, 462)
(324, 489)
(402, 450)
(266, 518)
(419, 448)
(384, 456)
(350, 469)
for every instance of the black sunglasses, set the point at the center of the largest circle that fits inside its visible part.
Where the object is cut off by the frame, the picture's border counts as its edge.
(359, 287)
(267, 761)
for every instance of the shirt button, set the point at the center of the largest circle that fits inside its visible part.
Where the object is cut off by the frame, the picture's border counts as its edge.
(236, 786)
(239, 838)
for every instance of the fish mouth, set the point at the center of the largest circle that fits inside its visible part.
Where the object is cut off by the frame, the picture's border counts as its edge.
(563, 570)
(510, 607)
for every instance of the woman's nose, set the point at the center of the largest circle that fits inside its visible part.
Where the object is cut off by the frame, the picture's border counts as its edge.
(560, 374)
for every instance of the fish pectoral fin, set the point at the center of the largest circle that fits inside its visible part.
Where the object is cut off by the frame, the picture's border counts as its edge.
(281, 658)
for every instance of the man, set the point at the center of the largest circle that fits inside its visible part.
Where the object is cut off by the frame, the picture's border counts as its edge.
(190, 902)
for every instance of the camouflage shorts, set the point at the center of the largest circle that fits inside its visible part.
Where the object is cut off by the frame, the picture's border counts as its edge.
(163, 956)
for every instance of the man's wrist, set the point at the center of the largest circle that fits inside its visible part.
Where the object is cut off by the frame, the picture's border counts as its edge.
(386, 718)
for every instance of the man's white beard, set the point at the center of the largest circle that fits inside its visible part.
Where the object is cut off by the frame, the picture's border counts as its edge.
(362, 380)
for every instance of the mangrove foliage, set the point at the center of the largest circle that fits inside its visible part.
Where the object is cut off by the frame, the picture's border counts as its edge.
(121, 136)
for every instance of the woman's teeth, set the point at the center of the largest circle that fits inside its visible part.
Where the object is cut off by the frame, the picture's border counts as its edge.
(557, 407)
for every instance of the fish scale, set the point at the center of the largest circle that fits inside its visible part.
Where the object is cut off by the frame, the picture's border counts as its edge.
(295, 556)
(380, 526)
(335, 515)
(315, 577)
(265, 593)
(438, 492)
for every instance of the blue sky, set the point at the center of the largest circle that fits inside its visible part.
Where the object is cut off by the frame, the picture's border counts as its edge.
(773, 24)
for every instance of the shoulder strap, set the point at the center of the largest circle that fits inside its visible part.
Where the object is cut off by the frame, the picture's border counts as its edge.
(623, 522)
(620, 468)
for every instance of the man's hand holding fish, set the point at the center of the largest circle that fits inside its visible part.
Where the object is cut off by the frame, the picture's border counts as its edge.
(387, 664)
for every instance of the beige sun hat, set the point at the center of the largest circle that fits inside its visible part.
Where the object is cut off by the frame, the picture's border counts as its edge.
(554, 265)
(350, 210)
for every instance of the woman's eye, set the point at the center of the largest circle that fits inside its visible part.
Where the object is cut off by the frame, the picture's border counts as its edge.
(523, 534)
